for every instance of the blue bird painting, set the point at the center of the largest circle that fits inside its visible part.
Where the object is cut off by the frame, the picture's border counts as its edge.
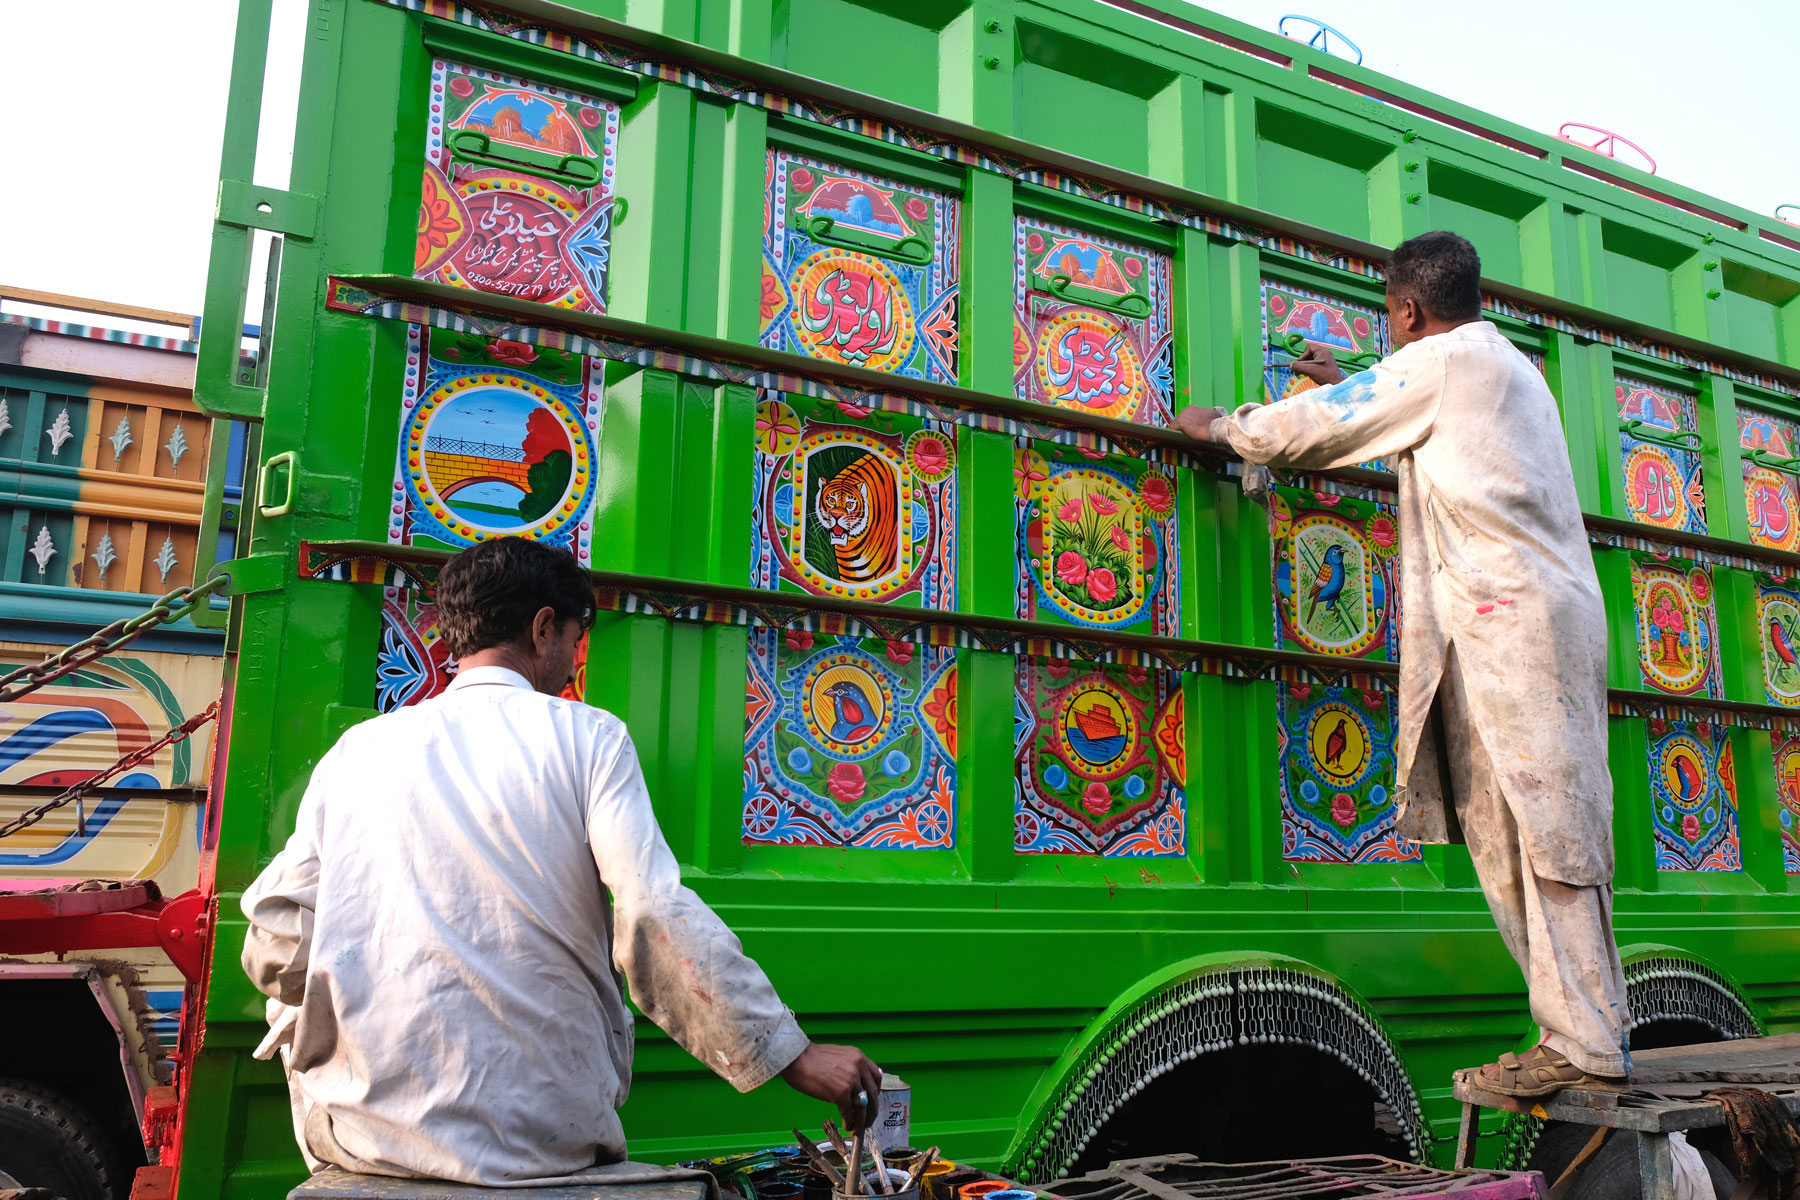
(854, 716)
(1329, 583)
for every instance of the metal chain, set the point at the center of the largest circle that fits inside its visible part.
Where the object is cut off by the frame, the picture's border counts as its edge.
(78, 792)
(172, 607)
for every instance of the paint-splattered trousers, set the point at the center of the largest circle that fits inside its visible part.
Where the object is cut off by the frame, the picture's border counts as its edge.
(1561, 936)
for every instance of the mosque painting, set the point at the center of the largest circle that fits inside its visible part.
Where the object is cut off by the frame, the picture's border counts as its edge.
(517, 194)
(849, 742)
(1659, 451)
(1092, 328)
(1771, 454)
(1693, 797)
(497, 438)
(1100, 755)
(859, 269)
(1293, 317)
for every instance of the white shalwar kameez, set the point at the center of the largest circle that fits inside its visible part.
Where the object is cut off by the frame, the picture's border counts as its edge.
(464, 878)
(1503, 629)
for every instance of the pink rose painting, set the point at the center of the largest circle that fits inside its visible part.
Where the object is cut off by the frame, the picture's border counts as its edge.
(1071, 568)
(846, 783)
(1690, 827)
(1096, 799)
(1343, 810)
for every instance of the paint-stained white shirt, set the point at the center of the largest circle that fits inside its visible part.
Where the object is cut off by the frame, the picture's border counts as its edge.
(464, 879)
(1494, 561)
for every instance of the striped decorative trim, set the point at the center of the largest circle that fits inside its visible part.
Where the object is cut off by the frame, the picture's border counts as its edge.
(795, 614)
(346, 297)
(358, 563)
(625, 57)
(98, 333)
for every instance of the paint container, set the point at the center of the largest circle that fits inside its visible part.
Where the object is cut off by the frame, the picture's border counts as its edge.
(1012, 1193)
(780, 1189)
(892, 1127)
(933, 1179)
(901, 1158)
(872, 1190)
(982, 1188)
(818, 1186)
(950, 1186)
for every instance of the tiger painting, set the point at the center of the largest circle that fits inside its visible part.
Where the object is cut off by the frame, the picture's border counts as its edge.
(856, 510)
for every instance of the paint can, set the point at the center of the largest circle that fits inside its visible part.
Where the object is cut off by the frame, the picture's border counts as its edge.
(778, 1189)
(932, 1183)
(892, 1127)
(950, 1186)
(901, 1158)
(896, 1179)
(1012, 1193)
(981, 1189)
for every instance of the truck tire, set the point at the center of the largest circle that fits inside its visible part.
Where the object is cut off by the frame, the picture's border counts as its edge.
(48, 1142)
(1612, 1174)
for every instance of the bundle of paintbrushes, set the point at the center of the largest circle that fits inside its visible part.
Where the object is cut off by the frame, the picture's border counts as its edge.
(851, 1181)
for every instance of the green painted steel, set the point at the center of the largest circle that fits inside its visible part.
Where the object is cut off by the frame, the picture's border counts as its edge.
(998, 968)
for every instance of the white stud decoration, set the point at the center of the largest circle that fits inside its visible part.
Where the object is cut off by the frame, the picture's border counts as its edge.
(104, 554)
(59, 431)
(43, 549)
(5, 416)
(177, 445)
(121, 437)
(165, 559)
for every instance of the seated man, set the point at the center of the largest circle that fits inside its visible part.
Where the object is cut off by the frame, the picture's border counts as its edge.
(1503, 643)
(464, 879)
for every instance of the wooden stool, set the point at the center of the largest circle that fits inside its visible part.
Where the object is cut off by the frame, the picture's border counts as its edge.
(1667, 1093)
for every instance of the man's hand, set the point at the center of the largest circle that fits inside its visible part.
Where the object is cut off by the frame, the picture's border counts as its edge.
(840, 1075)
(1197, 422)
(1318, 364)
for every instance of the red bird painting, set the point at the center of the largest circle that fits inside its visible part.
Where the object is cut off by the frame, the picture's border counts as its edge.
(1689, 776)
(1336, 739)
(1782, 641)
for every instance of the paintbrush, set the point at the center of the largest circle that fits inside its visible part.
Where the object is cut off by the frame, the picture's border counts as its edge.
(819, 1160)
(854, 1174)
(917, 1174)
(881, 1169)
(837, 1140)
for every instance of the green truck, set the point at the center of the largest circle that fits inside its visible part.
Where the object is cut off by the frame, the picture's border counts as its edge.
(841, 339)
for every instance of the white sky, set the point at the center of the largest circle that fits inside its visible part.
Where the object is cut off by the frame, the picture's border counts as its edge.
(126, 213)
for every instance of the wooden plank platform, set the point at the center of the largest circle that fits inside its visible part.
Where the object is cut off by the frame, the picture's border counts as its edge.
(1668, 1092)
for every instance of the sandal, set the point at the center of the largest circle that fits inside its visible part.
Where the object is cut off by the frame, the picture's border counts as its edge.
(1538, 1072)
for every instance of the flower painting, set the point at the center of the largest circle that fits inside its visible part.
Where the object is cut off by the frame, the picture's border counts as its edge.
(1097, 544)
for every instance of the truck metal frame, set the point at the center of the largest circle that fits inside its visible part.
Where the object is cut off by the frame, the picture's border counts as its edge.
(1133, 989)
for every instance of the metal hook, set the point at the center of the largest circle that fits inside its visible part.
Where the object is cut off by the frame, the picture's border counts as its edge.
(1132, 305)
(914, 249)
(571, 170)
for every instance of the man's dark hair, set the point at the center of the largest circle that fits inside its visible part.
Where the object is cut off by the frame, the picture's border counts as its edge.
(489, 594)
(1441, 271)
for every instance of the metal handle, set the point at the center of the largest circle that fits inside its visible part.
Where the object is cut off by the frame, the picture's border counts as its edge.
(1295, 344)
(1774, 462)
(914, 250)
(1659, 435)
(265, 509)
(1321, 38)
(1064, 288)
(572, 170)
(1794, 208)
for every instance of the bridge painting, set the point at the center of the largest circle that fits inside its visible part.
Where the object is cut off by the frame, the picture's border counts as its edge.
(498, 458)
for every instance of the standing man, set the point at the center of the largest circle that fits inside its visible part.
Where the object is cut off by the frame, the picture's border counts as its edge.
(464, 880)
(1503, 645)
